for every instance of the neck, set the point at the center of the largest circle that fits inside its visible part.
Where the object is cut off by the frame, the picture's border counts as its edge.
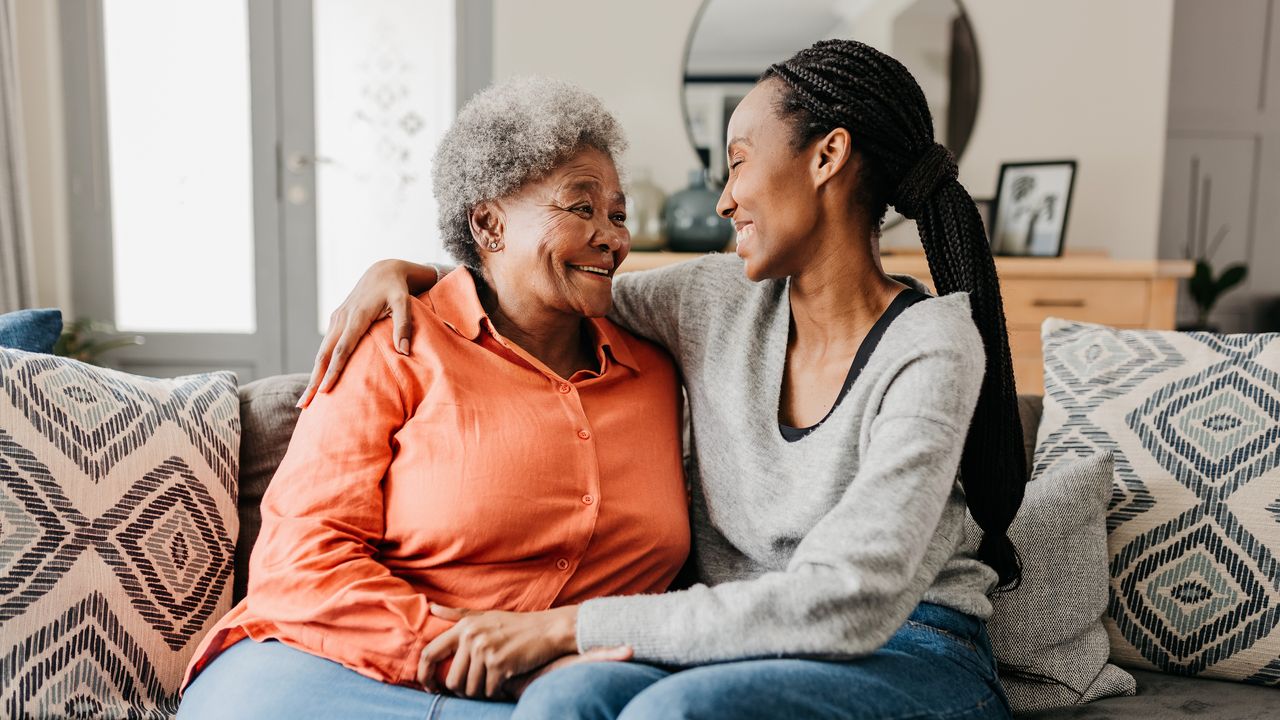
(554, 338)
(838, 295)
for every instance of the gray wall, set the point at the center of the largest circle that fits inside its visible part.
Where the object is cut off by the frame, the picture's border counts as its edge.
(1224, 109)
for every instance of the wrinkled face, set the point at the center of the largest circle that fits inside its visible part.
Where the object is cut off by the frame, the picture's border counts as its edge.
(562, 237)
(770, 193)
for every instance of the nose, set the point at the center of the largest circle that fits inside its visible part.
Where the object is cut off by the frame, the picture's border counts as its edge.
(726, 204)
(612, 238)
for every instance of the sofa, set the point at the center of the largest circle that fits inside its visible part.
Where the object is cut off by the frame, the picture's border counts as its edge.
(267, 416)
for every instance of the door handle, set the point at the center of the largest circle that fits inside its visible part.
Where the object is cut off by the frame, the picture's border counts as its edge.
(298, 162)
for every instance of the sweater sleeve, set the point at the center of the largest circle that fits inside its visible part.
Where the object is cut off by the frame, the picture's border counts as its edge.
(314, 572)
(651, 303)
(859, 572)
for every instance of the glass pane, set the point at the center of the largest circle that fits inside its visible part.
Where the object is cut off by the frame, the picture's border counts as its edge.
(177, 78)
(384, 75)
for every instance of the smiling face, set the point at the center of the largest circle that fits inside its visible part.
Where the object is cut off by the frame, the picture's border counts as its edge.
(560, 238)
(770, 194)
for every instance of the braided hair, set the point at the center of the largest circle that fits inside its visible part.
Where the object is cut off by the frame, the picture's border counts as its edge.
(843, 83)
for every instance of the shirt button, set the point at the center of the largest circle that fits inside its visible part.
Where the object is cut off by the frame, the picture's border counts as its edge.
(562, 564)
(584, 434)
(588, 499)
(564, 388)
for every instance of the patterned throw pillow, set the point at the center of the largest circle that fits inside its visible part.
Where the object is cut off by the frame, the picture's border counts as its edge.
(117, 533)
(1194, 521)
(1047, 633)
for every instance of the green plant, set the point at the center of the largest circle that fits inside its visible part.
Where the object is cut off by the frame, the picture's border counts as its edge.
(1206, 289)
(87, 340)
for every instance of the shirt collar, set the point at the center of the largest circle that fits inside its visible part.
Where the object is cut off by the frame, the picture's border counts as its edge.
(457, 302)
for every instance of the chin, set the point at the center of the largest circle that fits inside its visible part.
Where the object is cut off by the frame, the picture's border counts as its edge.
(757, 270)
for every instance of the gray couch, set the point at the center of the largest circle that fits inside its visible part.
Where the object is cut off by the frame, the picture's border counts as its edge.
(267, 416)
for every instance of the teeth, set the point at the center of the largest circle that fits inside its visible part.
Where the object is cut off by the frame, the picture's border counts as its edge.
(588, 268)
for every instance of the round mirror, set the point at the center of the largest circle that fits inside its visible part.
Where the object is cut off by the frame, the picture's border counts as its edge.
(733, 41)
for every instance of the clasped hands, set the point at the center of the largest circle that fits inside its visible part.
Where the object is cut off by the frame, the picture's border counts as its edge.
(497, 654)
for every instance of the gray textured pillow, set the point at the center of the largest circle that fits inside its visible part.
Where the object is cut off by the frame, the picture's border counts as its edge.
(1048, 634)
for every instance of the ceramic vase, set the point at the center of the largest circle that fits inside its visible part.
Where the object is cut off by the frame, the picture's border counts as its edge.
(692, 223)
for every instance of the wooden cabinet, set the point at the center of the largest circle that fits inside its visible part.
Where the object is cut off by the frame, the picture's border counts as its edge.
(1119, 293)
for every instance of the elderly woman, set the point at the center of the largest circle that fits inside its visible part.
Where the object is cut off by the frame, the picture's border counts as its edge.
(525, 455)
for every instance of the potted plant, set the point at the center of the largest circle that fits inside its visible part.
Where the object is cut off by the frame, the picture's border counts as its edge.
(86, 340)
(1206, 286)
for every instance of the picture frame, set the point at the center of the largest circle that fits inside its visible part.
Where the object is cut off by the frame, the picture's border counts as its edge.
(1031, 207)
(984, 212)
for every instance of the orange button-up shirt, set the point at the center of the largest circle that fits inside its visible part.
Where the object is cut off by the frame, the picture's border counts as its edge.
(468, 474)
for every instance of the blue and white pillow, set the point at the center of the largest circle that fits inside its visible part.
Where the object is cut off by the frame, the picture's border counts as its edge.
(1193, 420)
(31, 330)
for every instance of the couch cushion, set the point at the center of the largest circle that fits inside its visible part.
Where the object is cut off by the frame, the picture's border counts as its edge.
(1168, 697)
(117, 533)
(1047, 633)
(268, 414)
(1194, 422)
(31, 330)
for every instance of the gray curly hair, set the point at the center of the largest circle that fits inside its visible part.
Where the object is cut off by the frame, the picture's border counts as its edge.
(510, 134)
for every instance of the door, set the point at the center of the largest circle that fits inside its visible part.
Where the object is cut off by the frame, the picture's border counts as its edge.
(234, 166)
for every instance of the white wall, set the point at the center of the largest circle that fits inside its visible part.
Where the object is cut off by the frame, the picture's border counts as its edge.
(1083, 79)
(630, 54)
(40, 84)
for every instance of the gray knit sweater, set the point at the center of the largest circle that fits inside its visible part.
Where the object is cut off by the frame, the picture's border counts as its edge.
(821, 547)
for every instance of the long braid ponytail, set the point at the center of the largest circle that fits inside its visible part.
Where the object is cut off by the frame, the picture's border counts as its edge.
(843, 83)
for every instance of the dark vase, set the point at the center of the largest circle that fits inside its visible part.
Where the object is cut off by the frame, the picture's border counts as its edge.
(693, 225)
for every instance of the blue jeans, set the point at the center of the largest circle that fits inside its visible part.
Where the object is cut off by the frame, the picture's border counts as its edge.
(939, 664)
(273, 681)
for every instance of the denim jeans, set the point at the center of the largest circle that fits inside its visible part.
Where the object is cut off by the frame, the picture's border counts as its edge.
(273, 681)
(939, 664)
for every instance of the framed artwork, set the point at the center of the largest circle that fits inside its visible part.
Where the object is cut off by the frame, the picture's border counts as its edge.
(984, 211)
(1029, 214)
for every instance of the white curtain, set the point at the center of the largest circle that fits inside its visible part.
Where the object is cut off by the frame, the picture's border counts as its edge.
(17, 274)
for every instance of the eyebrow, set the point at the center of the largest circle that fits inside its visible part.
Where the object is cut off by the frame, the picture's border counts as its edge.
(589, 185)
(739, 140)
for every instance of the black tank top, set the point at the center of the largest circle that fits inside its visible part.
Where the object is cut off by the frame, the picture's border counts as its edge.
(901, 301)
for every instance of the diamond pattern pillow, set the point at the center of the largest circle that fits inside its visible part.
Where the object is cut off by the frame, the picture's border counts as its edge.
(117, 527)
(1193, 420)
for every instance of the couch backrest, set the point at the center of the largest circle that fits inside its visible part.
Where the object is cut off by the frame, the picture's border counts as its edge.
(267, 417)
(268, 413)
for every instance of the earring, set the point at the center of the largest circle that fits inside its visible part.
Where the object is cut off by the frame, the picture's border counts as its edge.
(494, 246)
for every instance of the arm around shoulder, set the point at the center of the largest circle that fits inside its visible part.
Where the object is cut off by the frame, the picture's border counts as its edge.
(655, 303)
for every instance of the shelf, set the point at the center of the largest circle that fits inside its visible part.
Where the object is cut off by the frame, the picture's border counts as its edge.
(1084, 267)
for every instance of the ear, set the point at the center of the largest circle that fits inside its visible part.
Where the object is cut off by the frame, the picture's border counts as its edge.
(488, 223)
(831, 154)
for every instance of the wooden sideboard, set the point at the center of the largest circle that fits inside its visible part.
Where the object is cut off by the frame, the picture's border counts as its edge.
(1089, 288)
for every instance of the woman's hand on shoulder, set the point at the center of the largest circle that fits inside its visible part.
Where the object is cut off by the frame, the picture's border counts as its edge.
(496, 654)
(383, 290)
